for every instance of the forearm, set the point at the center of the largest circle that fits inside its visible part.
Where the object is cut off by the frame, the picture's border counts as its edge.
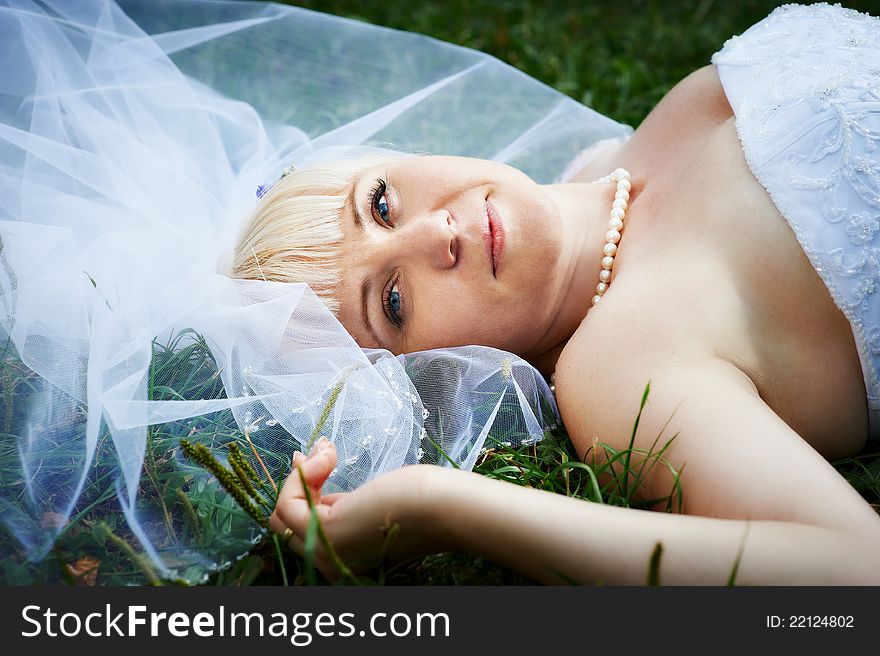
(555, 539)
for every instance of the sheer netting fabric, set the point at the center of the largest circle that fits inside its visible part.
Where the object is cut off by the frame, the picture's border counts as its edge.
(132, 139)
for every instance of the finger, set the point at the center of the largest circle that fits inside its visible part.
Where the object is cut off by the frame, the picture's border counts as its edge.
(289, 487)
(276, 524)
(292, 487)
(288, 534)
(319, 446)
(316, 468)
(330, 499)
(290, 538)
(312, 467)
(297, 545)
(292, 509)
(292, 513)
(320, 465)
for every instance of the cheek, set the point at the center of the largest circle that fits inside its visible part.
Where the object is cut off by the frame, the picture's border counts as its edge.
(451, 315)
(460, 317)
(537, 254)
(536, 222)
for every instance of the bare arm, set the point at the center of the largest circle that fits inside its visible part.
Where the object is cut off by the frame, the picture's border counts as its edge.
(805, 524)
(556, 539)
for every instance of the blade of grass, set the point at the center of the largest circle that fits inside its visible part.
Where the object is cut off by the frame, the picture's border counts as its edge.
(322, 536)
(632, 439)
(654, 565)
(739, 552)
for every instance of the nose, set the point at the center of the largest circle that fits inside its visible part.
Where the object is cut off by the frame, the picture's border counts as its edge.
(431, 239)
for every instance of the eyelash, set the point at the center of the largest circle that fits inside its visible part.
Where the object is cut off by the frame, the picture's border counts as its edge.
(376, 193)
(393, 316)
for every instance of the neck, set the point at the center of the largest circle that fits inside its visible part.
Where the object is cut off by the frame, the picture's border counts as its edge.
(583, 209)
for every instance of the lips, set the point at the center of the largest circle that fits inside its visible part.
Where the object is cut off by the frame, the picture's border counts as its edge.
(494, 236)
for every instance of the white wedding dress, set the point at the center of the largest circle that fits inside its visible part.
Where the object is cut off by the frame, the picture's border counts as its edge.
(804, 85)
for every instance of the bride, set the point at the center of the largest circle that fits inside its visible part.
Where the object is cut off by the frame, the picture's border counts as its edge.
(382, 310)
(706, 270)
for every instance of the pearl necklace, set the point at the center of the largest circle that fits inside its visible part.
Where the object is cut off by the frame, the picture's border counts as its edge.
(612, 237)
(615, 227)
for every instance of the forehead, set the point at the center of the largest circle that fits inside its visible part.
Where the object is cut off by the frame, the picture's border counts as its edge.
(353, 325)
(353, 261)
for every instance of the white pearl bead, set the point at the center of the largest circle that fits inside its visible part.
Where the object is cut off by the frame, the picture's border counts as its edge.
(615, 226)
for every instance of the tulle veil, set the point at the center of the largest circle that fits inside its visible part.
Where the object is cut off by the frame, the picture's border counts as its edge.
(133, 136)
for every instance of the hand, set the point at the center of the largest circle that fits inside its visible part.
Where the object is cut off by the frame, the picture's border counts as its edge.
(357, 524)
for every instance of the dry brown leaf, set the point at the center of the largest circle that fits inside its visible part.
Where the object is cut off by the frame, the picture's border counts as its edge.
(84, 571)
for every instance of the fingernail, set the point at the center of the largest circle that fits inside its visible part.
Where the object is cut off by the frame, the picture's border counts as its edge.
(319, 446)
(316, 461)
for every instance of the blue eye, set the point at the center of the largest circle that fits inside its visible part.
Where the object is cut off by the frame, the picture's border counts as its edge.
(392, 303)
(379, 203)
(382, 208)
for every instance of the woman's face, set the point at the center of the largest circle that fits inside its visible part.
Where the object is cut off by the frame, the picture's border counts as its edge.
(449, 251)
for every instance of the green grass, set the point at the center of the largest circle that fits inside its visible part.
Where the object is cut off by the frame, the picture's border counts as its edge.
(183, 507)
(549, 465)
(619, 57)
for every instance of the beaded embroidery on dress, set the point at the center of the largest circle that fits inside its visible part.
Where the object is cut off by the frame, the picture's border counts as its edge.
(804, 85)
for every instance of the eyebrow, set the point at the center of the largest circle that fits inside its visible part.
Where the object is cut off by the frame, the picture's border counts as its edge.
(366, 293)
(367, 284)
(352, 202)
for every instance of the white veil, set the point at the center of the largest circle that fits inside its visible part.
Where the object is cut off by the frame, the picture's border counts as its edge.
(132, 139)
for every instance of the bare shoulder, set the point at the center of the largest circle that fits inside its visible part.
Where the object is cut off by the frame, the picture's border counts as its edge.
(600, 385)
(701, 89)
(693, 107)
(736, 458)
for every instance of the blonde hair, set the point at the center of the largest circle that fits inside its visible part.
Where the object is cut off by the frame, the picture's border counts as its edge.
(295, 234)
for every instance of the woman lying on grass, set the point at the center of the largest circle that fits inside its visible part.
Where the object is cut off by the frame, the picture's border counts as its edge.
(735, 267)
